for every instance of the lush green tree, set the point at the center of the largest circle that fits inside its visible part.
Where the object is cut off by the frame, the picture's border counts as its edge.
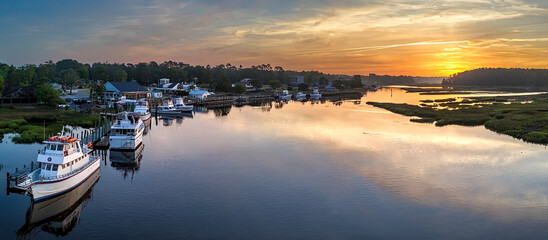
(83, 72)
(96, 90)
(1, 85)
(239, 88)
(303, 87)
(256, 83)
(13, 77)
(275, 84)
(98, 72)
(118, 75)
(142, 74)
(28, 74)
(67, 64)
(47, 95)
(356, 82)
(339, 84)
(45, 73)
(69, 78)
(323, 81)
(4, 69)
(223, 84)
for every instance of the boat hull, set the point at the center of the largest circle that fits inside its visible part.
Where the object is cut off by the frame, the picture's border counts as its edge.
(185, 108)
(168, 112)
(285, 97)
(126, 142)
(145, 116)
(45, 190)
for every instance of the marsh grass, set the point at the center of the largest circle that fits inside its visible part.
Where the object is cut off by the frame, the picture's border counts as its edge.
(527, 121)
(29, 122)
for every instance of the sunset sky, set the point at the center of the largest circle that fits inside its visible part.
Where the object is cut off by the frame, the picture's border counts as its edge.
(428, 38)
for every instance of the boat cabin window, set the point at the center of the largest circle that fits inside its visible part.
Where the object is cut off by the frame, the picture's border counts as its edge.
(48, 167)
(59, 147)
(54, 168)
(52, 147)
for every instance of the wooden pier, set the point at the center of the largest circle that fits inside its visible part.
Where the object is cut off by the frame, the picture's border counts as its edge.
(98, 134)
(18, 176)
(215, 101)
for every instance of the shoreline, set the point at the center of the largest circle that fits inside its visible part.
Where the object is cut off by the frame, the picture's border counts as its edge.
(523, 118)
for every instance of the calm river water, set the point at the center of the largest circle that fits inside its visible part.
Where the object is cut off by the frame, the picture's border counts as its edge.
(298, 171)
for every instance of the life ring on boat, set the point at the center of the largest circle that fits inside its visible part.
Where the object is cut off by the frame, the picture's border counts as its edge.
(66, 153)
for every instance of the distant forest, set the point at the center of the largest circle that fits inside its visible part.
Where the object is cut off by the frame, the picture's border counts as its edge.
(68, 71)
(500, 77)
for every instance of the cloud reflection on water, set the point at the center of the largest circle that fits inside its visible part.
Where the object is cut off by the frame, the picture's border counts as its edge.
(463, 167)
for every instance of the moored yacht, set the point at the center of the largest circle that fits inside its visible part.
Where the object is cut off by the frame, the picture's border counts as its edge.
(127, 132)
(180, 105)
(60, 214)
(167, 107)
(141, 108)
(315, 94)
(300, 96)
(285, 95)
(63, 165)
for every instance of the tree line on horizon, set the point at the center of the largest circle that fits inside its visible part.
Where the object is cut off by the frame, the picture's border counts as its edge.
(68, 71)
(500, 77)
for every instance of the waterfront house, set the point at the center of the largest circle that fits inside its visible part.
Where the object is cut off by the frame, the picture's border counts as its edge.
(169, 87)
(296, 80)
(198, 94)
(131, 90)
(248, 86)
(91, 108)
(56, 86)
(163, 81)
(18, 95)
(157, 94)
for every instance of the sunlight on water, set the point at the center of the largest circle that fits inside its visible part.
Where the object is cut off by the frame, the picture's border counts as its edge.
(302, 170)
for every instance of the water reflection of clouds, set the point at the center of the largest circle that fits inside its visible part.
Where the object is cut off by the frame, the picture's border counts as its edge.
(471, 168)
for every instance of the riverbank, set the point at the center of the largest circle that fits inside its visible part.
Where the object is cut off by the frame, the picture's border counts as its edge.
(526, 120)
(29, 122)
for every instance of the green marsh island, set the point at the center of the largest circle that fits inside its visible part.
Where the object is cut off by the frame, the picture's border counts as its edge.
(524, 117)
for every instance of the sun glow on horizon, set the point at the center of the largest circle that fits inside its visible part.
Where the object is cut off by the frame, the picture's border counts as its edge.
(390, 37)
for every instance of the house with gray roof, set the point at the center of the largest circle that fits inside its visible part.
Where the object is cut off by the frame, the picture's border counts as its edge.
(131, 90)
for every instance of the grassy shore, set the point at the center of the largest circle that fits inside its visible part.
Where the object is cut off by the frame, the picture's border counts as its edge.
(29, 122)
(527, 121)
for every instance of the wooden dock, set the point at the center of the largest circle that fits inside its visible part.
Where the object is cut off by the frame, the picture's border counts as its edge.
(18, 176)
(215, 101)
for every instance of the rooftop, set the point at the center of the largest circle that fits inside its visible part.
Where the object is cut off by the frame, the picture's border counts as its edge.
(128, 87)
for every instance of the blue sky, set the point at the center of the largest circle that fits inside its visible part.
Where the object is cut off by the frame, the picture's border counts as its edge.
(391, 36)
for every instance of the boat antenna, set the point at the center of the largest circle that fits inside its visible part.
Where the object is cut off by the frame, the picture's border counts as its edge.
(63, 131)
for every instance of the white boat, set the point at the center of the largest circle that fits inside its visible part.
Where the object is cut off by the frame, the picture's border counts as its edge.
(180, 105)
(315, 94)
(127, 132)
(300, 96)
(64, 164)
(141, 108)
(285, 95)
(60, 214)
(167, 107)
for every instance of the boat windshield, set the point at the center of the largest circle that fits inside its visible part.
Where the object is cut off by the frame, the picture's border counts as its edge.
(55, 147)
